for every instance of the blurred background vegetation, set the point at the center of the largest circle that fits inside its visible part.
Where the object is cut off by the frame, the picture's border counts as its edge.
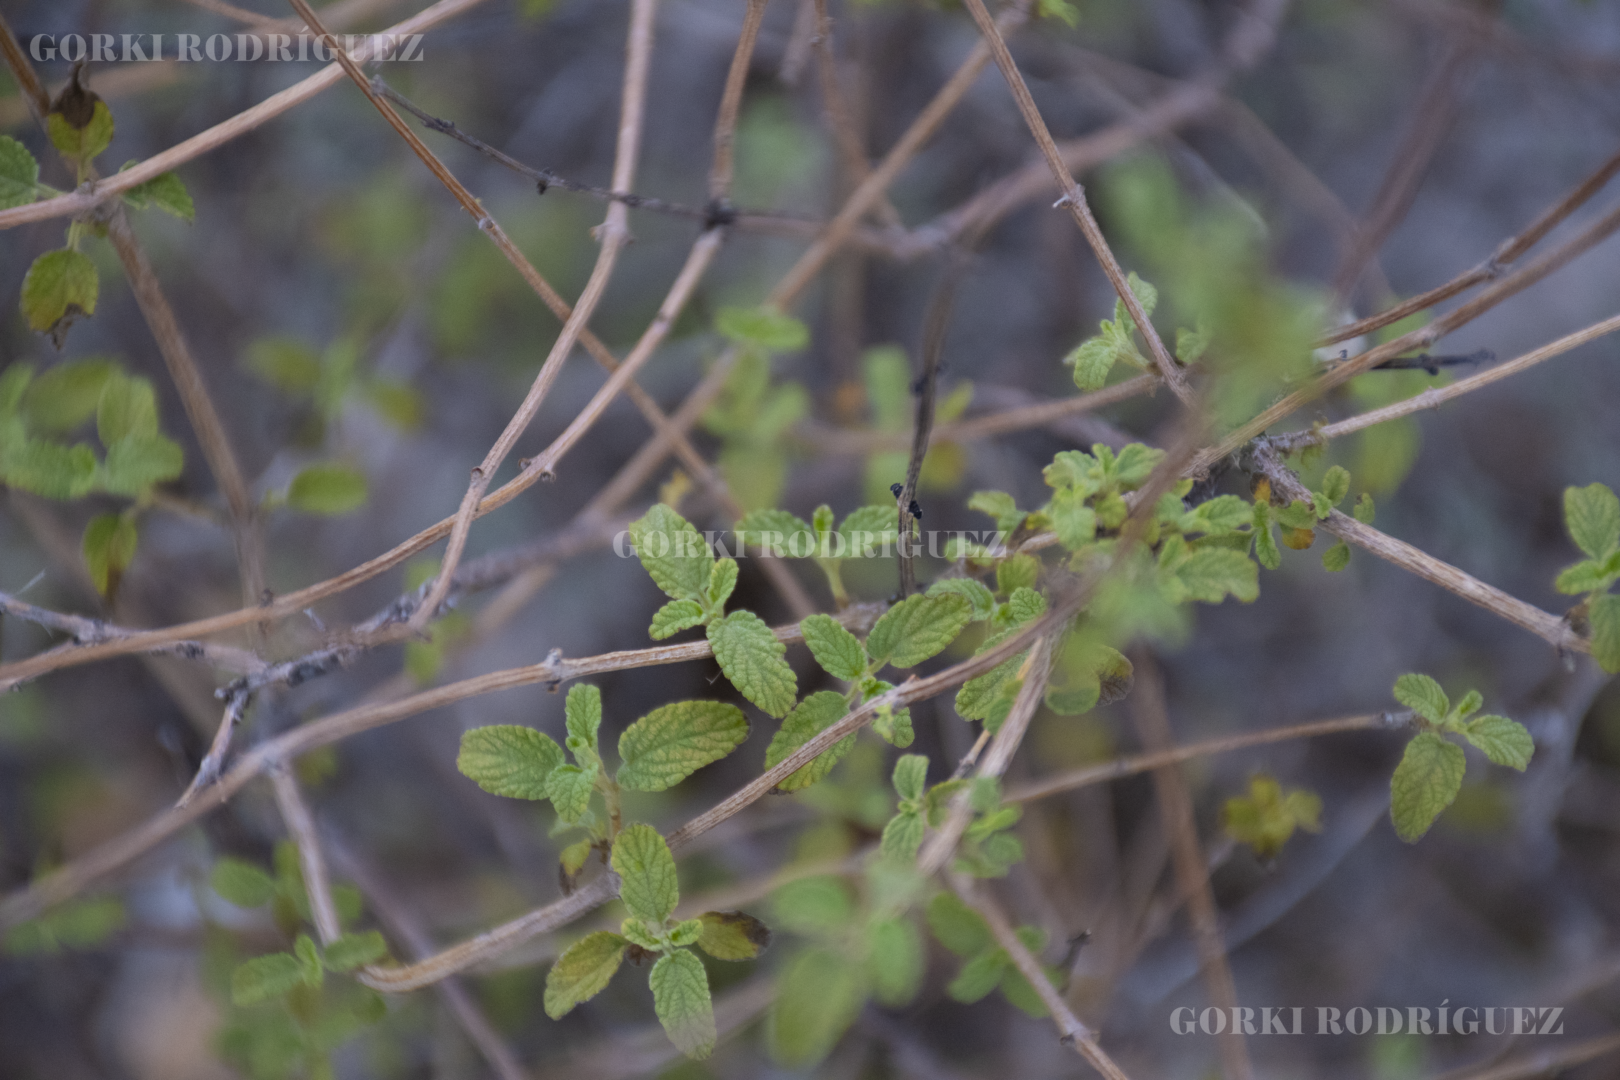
(346, 314)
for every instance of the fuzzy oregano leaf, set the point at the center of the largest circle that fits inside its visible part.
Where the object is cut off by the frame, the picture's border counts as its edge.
(752, 659)
(673, 617)
(19, 174)
(506, 759)
(1423, 696)
(648, 887)
(675, 554)
(583, 971)
(1505, 742)
(808, 719)
(764, 326)
(1425, 783)
(265, 977)
(674, 741)
(1592, 514)
(328, 490)
(680, 989)
(917, 628)
(838, 651)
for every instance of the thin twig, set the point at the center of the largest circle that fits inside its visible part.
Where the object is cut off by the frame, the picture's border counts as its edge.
(1152, 721)
(301, 827)
(1073, 196)
(1071, 1030)
(208, 770)
(725, 120)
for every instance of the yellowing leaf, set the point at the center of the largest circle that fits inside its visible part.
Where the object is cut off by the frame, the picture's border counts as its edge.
(109, 548)
(733, 935)
(674, 741)
(59, 286)
(583, 971)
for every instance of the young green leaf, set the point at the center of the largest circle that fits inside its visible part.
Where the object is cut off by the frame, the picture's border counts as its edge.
(675, 616)
(808, 719)
(1209, 575)
(125, 407)
(648, 884)
(979, 977)
(751, 657)
(1470, 704)
(1191, 344)
(680, 989)
(1000, 506)
(19, 174)
(764, 326)
(722, 580)
(1336, 485)
(136, 462)
(1025, 605)
(894, 961)
(733, 935)
(1589, 575)
(819, 994)
(777, 532)
(917, 628)
(958, 927)
(1604, 616)
(583, 971)
(355, 950)
(903, 836)
(838, 651)
(329, 490)
(1073, 521)
(1505, 742)
(1265, 544)
(675, 554)
(50, 469)
(505, 759)
(982, 599)
(1592, 514)
(1337, 557)
(265, 977)
(813, 906)
(1093, 359)
(164, 191)
(1365, 512)
(242, 883)
(109, 547)
(674, 741)
(1220, 516)
(1266, 818)
(868, 528)
(1017, 572)
(1425, 782)
(582, 716)
(66, 395)
(569, 788)
(910, 776)
(1423, 696)
(59, 285)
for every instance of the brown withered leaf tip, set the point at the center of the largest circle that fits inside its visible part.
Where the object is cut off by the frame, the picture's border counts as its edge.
(77, 102)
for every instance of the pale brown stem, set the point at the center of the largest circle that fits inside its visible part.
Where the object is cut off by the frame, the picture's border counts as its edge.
(214, 760)
(1152, 720)
(725, 121)
(1071, 1030)
(301, 827)
(1072, 195)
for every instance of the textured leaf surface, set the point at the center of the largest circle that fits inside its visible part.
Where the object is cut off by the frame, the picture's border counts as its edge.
(673, 617)
(1425, 782)
(1423, 696)
(680, 989)
(838, 651)
(1505, 742)
(917, 628)
(506, 759)
(649, 887)
(583, 971)
(808, 719)
(733, 935)
(674, 741)
(1592, 514)
(752, 659)
(676, 555)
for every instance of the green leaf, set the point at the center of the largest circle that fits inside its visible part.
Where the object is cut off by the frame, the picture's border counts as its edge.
(572, 859)
(777, 532)
(903, 836)
(125, 407)
(807, 720)
(1336, 484)
(64, 396)
(242, 883)
(1266, 818)
(51, 469)
(1211, 574)
(1425, 782)
(109, 548)
(1025, 605)
(764, 326)
(976, 697)
(1604, 616)
(583, 971)
(917, 628)
(680, 989)
(1000, 506)
(813, 906)
(1296, 515)
(1062, 10)
(569, 788)
(309, 960)
(675, 616)
(136, 462)
(1093, 359)
(867, 528)
(1337, 557)
(722, 580)
(1592, 514)
(265, 977)
(1423, 696)
(57, 285)
(674, 741)
(910, 776)
(1135, 462)
(1146, 295)
(733, 935)
(981, 598)
(894, 961)
(1505, 742)
(751, 657)
(1017, 571)
(582, 713)
(1470, 704)
(641, 935)
(1074, 522)
(285, 363)
(838, 651)
(979, 977)
(327, 489)
(1365, 511)
(77, 924)
(509, 760)
(648, 884)
(819, 994)
(164, 191)
(1220, 516)
(19, 174)
(1265, 544)
(82, 141)
(355, 950)
(1192, 344)
(958, 927)
(676, 555)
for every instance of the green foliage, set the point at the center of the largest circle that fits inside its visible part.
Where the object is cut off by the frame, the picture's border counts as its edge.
(1592, 515)
(680, 989)
(752, 659)
(327, 382)
(838, 651)
(1431, 771)
(752, 417)
(329, 490)
(78, 924)
(988, 966)
(276, 975)
(863, 532)
(164, 191)
(733, 935)
(674, 741)
(108, 548)
(1115, 342)
(509, 760)
(888, 391)
(808, 719)
(819, 995)
(903, 835)
(19, 174)
(1062, 10)
(647, 869)
(1266, 817)
(765, 328)
(59, 287)
(917, 628)
(583, 971)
